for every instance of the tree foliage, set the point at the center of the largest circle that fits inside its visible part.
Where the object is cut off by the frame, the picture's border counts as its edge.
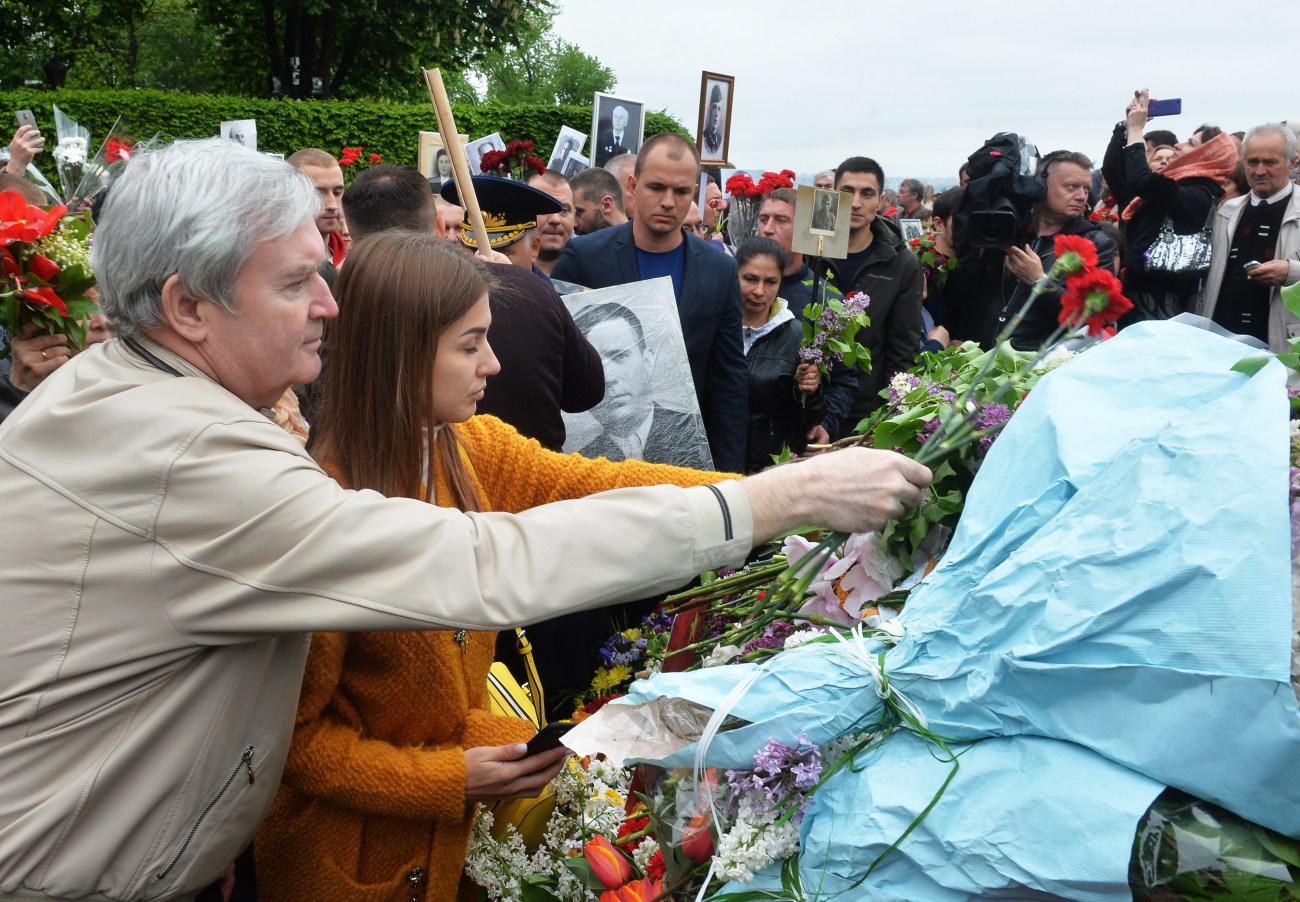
(543, 68)
(361, 48)
(304, 48)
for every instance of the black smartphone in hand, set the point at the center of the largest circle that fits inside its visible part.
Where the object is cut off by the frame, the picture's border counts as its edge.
(548, 737)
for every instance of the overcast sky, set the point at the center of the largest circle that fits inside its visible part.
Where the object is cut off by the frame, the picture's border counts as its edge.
(919, 86)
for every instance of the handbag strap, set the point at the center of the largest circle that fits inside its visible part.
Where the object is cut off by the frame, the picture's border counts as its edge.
(534, 687)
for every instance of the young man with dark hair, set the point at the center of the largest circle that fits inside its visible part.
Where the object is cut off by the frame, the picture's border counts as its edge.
(597, 201)
(879, 266)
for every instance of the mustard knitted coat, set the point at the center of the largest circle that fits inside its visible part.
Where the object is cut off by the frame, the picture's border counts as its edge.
(372, 805)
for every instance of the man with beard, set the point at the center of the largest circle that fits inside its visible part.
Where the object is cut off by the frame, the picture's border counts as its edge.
(597, 201)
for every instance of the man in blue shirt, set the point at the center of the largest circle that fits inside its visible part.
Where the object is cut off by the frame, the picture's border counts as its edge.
(704, 278)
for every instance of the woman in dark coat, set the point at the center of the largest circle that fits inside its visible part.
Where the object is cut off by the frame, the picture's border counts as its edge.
(785, 396)
(1185, 192)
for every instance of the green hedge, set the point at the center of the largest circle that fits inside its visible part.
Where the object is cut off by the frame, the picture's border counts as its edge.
(388, 129)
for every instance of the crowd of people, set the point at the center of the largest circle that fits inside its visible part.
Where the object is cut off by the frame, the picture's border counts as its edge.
(409, 496)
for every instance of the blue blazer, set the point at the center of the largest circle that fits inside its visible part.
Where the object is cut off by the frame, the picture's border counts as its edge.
(709, 310)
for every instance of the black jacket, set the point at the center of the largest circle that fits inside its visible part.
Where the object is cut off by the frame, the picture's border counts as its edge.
(994, 295)
(891, 277)
(547, 366)
(1187, 203)
(778, 414)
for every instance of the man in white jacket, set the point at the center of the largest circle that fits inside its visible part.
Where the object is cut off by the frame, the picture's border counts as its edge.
(1256, 244)
(167, 549)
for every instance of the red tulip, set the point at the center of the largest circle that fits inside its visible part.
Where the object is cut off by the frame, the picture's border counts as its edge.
(47, 297)
(642, 890)
(19, 221)
(607, 863)
(697, 839)
(44, 268)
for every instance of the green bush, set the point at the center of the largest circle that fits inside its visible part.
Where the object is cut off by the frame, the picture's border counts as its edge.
(283, 126)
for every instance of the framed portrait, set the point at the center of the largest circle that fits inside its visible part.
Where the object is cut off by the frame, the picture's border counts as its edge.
(911, 228)
(433, 161)
(713, 136)
(619, 126)
(475, 149)
(821, 223)
(649, 411)
(570, 142)
(573, 164)
(241, 131)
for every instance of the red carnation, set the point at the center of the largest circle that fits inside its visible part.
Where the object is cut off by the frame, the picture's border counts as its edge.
(1094, 297)
(1084, 251)
(115, 151)
(655, 867)
(375, 159)
(631, 826)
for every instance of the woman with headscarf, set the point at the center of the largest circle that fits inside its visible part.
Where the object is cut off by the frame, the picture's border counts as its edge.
(1182, 195)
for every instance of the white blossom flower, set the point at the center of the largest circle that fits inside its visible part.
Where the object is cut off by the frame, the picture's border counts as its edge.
(723, 654)
(70, 151)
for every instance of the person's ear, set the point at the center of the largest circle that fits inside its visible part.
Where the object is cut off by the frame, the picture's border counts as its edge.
(188, 317)
(607, 207)
(534, 247)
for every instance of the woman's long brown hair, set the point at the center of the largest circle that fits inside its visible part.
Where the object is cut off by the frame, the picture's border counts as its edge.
(397, 293)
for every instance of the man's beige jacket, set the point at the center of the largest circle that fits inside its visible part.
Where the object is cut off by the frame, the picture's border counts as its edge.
(165, 551)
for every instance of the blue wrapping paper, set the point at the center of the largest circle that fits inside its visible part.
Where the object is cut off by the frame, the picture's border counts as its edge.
(1116, 603)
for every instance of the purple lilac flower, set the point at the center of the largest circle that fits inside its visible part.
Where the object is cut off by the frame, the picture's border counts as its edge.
(927, 430)
(941, 391)
(991, 416)
(773, 636)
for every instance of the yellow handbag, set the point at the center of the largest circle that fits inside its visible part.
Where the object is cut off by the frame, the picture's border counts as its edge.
(508, 699)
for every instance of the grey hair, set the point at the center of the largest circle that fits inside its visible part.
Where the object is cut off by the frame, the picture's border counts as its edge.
(825, 174)
(1274, 128)
(197, 209)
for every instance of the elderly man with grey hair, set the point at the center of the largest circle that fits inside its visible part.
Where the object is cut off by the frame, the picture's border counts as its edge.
(176, 547)
(1256, 244)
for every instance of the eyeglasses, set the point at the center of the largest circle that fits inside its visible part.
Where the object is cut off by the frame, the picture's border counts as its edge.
(701, 228)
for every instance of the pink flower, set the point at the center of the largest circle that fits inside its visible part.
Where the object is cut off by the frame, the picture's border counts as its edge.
(852, 582)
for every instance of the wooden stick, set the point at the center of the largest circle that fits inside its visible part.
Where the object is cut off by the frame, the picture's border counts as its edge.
(459, 162)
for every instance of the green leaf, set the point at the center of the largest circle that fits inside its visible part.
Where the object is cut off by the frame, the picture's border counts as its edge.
(582, 870)
(1251, 365)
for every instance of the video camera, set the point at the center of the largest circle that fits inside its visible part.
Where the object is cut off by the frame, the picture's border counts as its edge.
(994, 209)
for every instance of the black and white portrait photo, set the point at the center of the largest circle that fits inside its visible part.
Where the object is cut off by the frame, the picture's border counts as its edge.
(241, 131)
(821, 223)
(475, 150)
(573, 164)
(619, 126)
(649, 411)
(826, 209)
(570, 142)
(434, 160)
(911, 228)
(714, 132)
